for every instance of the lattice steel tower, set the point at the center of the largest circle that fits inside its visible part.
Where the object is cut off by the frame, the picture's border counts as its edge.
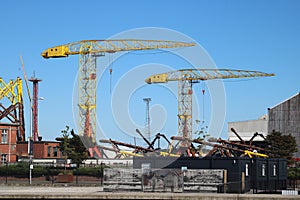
(147, 122)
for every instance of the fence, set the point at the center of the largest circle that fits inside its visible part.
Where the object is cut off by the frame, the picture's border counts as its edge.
(19, 174)
(52, 181)
(163, 180)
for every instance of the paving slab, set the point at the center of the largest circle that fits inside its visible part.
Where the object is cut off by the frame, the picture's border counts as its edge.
(67, 192)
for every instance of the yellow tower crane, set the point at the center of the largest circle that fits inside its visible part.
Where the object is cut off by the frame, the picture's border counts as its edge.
(187, 77)
(89, 50)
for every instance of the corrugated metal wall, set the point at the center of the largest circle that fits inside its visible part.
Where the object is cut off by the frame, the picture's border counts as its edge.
(285, 118)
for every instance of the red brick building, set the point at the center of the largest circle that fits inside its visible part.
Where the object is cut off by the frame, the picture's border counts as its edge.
(11, 149)
(41, 149)
(8, 142)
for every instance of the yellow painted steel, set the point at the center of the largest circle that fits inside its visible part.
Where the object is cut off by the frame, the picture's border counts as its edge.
(11, 90)
(20, 90)
(168, 154)
(159, 78)
(109, 46)
(129, 153)
(187, 77)
(89, 50)
(56, 52)
(126, 153)
(251, 154)
(203, 74)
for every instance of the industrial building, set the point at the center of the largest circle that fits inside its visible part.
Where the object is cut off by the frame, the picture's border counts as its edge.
(12, 150)
(243, 173)
(13, 144)
(283, 117)
(8, 142)
(246, 129)
(41, 149)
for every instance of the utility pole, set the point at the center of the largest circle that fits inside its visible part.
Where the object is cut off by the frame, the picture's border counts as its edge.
(30, 154)
(147, 122)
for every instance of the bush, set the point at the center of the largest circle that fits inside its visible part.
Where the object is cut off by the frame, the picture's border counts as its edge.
(39, 171)
(89, 171)
(294, 173)
(21, 170)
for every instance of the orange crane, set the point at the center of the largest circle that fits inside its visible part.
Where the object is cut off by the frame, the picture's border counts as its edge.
(187, 77)
(89, 50)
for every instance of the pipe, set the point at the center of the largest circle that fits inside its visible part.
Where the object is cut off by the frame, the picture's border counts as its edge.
(232, 129)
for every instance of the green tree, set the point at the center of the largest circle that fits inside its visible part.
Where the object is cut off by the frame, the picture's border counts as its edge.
(72, 148)
(281, 146)
(201, 134)
(64, 145)
(79, 153)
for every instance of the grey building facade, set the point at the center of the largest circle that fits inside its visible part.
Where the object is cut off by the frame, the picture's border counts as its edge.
(246, 129)
(285, 118)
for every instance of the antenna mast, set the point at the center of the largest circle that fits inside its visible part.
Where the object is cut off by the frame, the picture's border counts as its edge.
(147, 125)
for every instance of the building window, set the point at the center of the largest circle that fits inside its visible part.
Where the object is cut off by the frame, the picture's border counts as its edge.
(55, 150)
(49, 152)
(274, 170)
(246, 169)
(4, 136)
(263, 170)
(3, 158)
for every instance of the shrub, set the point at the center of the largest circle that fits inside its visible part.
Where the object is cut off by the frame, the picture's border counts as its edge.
(21, 170)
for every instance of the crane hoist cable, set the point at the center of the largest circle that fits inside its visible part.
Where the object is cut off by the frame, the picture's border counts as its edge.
(203, 102)
(110, 61)
(110, 79)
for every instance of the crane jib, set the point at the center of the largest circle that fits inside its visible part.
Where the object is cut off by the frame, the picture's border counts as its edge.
(110, 46)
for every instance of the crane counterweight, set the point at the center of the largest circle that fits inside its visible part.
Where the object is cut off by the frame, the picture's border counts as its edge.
(56, 52)
(158, 78)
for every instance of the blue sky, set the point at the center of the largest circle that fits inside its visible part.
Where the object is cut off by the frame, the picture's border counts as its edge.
(249, 35)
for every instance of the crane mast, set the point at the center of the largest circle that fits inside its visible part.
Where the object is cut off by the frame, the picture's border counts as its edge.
(88, 51)
(187, 77)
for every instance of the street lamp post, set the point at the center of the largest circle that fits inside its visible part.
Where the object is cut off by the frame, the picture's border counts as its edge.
(6, 172)
(30, 142)
(30, 153)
